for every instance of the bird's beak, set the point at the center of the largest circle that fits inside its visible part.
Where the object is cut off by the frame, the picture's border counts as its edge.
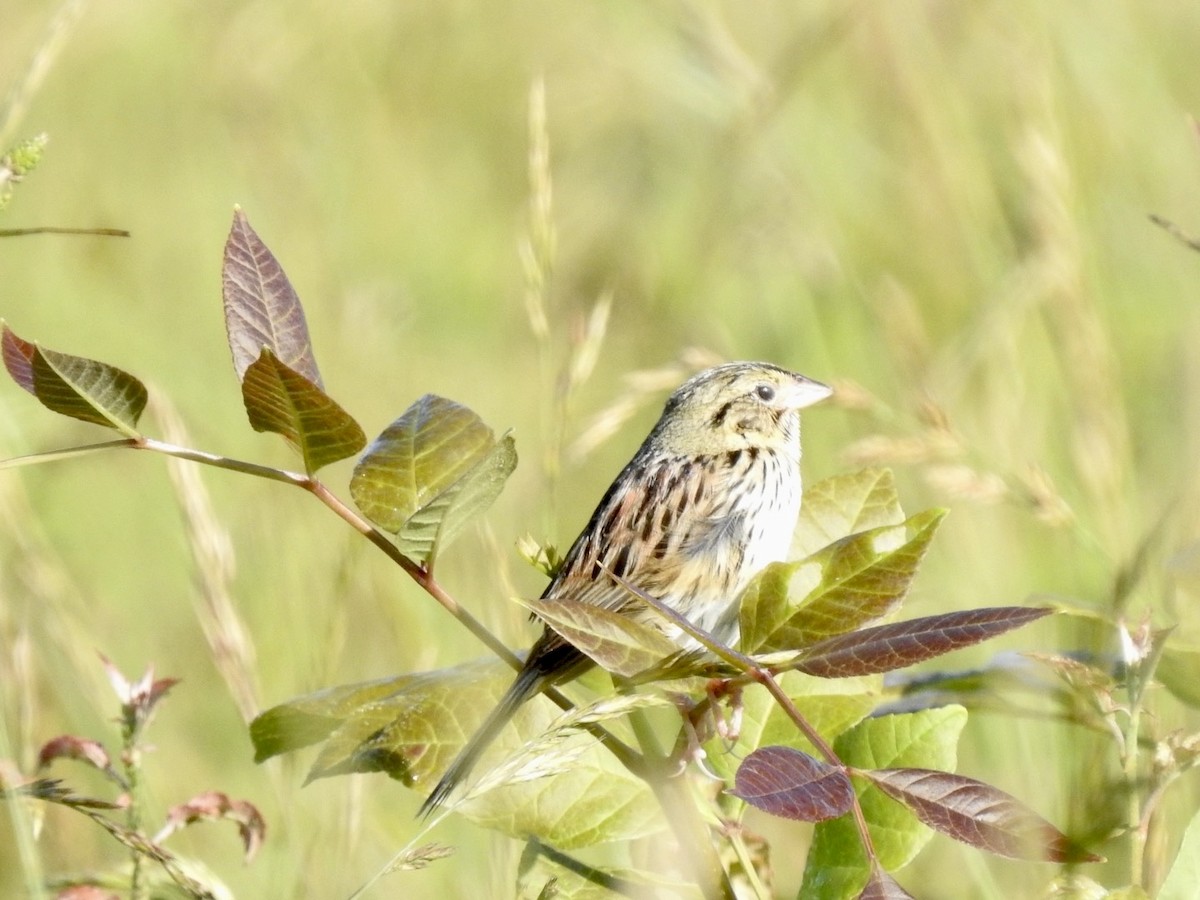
(805, 392)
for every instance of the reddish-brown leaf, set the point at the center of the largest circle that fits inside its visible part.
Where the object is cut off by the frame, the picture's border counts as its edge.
(18, 358)
(882, 886)
(977, 814)
(212, 806)
(899, 644)
(68, 746)
(138, 698)
(261, 307)
(793, 785)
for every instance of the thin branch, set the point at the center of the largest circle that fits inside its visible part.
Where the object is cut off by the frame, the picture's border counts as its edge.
(33, 459)
(766, 678)
(51, 229)
(1175, 231)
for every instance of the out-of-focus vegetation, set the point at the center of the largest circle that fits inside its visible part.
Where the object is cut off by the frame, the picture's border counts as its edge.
(942, 208)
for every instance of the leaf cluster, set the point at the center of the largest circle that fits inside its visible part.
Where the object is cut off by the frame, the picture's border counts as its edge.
(171, 874)
(816, 635)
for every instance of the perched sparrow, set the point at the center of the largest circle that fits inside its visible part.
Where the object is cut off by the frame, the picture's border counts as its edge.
(708, 500)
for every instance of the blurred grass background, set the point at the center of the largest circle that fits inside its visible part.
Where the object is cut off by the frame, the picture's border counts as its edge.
(941, 207)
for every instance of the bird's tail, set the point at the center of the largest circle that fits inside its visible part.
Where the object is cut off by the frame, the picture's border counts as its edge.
(530, 681)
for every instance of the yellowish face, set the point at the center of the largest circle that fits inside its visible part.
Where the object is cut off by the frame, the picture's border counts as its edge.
(737, 406)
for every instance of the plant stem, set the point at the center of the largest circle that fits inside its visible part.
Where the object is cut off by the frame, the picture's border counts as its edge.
(763, 676)
(132, 763)
(419, 573)
(1138, 829)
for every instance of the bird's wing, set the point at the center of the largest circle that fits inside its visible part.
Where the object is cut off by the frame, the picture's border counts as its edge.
(645, 530)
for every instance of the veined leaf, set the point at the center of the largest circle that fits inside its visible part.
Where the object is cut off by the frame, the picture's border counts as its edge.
(310, 719)
(412, 726)
(793, 785)
(568, 790)
(18, 357)
(618, 643)
(280, 400)
(884, 648)
(427, 705)
(429, 472)
(829, 706)
(261, 307)
(977, 814)
(846, 504)
(766, 603)
(862, 579)
(74, 386)
(928, 739)
(882, 886)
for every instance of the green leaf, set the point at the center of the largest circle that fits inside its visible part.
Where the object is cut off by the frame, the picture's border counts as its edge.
(766, 602)
(846, 504)
(429, 472)
(546, 776)
(862, 578)
(307, 720)
(590, 799)
(829, 706)
(615, 641)
(81, 388)
(282, 401)
(411, 727)
(1179, 671)
(261, 307)
(837, 868)
(1185, 871)
(546, 872)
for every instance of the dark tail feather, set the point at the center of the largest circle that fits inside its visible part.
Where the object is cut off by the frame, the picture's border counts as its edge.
(529, 682)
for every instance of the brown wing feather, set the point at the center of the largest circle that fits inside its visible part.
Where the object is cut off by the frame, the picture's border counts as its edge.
(637, 532)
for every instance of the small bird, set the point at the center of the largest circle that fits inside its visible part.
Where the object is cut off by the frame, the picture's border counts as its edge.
(709, 499)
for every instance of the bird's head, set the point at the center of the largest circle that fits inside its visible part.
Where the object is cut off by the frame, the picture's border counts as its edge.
(737, 406)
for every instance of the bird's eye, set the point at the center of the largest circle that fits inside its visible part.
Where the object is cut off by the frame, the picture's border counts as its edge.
(765, 392)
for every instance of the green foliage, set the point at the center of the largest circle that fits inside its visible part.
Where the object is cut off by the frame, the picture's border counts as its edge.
(423, 478)
(429, 472)
(846, 189)
(281, 400)
(927, 740)
(618, 643)
(152, 870)
(857, 579)
(1185, 873)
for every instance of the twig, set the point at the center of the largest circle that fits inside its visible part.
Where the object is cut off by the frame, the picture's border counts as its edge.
(1176, 232)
